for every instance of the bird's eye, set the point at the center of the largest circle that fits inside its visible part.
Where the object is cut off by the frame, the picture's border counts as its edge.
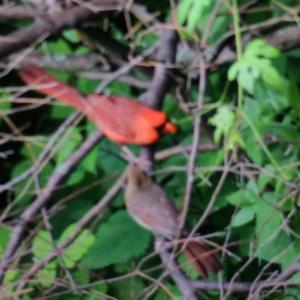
(111, 99)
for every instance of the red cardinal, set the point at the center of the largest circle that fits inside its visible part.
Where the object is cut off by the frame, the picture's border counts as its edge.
(120, 119)
(150, 207)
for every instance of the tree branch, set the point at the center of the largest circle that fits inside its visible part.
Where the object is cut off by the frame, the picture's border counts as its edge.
(53, 24)
(154, 97)
(29, 213)
(88, 217)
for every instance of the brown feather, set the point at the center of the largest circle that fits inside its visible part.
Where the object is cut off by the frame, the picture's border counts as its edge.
(150, 207)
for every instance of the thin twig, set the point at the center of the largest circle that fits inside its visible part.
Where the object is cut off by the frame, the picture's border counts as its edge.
(154, 97)
(54, 24)
(33, 209)
(126, 68)
(183, 149)
(214, 197)
(90, 215)
(195, 144)
(35, 169)
(185, 285)
(239, 287)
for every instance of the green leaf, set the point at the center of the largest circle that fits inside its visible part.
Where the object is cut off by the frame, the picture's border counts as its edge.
(9, 282)
(244, 216)
(71, 35)
(224, 120)
(242, 198)
(91, 160)
(222, 21)
(87, 86)
(290, 255)
(78, 248)
(268, 219)
(10, 276)
(81, 277)
(195, 13)
(171, 292)
(128, 288)
(42, 244)
(188, 267)
(121, 89)
(246, 77)
(271, 76)
(233, 71)
(256, 64)
(265, 177)
(60, 47)
(183, 10)
(118, 240)
(293, 96)
(69, 145)
(271, 239)
(89, 163)
(252, 148)
(24, 189)
(76, 176)
(283, 131)
(82, 50)
(261, 48)
(4, 239)
(47, 275)
(5, 104)
(109, 153)
(61, 111)
(148, 39)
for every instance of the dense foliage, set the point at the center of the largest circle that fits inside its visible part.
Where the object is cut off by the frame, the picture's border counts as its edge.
(246, 181)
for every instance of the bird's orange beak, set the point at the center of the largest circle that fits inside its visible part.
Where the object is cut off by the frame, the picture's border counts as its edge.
(169, 127)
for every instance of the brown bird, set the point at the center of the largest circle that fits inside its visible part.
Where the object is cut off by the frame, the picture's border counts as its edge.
(150, 207)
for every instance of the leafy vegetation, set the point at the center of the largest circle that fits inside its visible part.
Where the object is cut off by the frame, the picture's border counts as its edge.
(246, 181)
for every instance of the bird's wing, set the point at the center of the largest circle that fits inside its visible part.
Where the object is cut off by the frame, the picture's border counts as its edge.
(153, 210)
(121, 120)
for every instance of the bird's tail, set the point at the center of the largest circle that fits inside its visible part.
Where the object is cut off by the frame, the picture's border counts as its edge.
(202, 257)
(41, 81)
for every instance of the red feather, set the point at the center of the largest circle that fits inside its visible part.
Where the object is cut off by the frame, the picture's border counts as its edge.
(122, 120)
